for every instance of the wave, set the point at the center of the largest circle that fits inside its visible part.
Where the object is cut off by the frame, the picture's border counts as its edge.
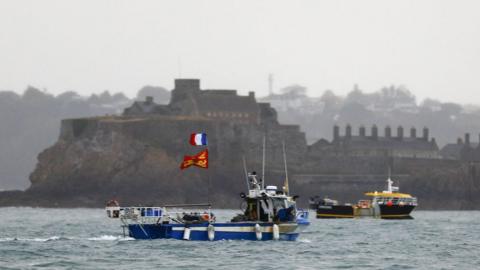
(110, 238)
(57, 238)
(304, 240)
(53, 238)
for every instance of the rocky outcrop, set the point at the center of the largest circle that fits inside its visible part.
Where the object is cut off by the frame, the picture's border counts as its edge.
(136, 160)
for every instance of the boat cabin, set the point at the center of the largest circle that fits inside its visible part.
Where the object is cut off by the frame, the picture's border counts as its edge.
(268, 204)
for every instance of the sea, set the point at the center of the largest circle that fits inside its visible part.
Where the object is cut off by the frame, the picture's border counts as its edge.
(40, 238)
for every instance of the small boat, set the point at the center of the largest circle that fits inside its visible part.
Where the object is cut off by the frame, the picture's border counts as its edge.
(269, 214)
(388, 204)
(328, 208)
(302, 217)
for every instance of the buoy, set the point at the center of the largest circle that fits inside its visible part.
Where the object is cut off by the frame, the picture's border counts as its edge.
(276, 232)
(186, 234)
(389, 203)
(258, 232)
(211, 232)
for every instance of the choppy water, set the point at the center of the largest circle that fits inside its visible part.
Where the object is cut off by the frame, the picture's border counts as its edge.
(86, 239)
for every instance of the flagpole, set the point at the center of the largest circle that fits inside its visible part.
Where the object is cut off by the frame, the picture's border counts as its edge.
(209, 174)
(208, 188)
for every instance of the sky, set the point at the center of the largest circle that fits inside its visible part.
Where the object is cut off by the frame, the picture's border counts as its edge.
(431, 47)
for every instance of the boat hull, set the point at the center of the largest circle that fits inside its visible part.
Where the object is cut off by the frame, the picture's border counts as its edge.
(396, 211)
(347, 211)
(335, 211)
(222, 231)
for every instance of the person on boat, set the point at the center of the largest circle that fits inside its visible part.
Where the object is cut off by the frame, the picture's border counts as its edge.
(112, 203)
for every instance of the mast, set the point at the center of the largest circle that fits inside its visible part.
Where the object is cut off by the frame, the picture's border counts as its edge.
(245, 171)
(286, 187)
(390, 187)
(263, 164)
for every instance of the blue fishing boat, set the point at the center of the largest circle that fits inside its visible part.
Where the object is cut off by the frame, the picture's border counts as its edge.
(302, 218)
(268, 214)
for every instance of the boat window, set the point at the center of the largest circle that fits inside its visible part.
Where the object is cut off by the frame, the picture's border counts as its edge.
(279, 204)
(251, 211)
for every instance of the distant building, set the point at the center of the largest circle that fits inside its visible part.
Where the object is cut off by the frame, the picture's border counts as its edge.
(462, 150)
(189, 100)
(373, 145)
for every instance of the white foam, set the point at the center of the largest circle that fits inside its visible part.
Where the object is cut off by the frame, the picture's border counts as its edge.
(110, 238)
(304, 240)
(8, 239)
(53, 238)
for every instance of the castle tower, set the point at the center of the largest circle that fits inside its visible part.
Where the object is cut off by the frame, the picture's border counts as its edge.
(413, 133)
(467, 139)
(374, 132)
(184, 88)
(400, 132)
(388, 132)
(336, 132)
(425, 134)
(187, 84)
(361, 131)
(348, 131)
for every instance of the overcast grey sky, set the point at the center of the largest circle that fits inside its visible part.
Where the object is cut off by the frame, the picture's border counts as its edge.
(432, 47)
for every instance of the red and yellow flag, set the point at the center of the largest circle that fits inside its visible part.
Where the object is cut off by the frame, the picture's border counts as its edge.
(199, 160)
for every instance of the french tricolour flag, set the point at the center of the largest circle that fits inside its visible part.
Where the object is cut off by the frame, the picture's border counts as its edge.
(198, 139)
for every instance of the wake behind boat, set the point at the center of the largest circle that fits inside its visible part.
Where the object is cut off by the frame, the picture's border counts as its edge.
(270, 214)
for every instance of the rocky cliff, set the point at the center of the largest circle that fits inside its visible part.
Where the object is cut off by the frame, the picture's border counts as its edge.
(136, 160)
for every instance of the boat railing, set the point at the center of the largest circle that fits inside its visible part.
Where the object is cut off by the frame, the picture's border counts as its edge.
(396, 201)
(137, 212)
(144, 214)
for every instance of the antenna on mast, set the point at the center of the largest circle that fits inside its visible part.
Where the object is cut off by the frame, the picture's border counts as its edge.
(263, 164)
(285, 186)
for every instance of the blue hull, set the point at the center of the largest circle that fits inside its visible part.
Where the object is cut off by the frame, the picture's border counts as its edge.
(198, 232)
(302, 219)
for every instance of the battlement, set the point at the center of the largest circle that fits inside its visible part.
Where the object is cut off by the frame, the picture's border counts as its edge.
(374, 134)
(364, 144)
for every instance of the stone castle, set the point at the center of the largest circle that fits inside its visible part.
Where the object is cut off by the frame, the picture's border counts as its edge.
(188, 99)
(135, 156)
(374, 145)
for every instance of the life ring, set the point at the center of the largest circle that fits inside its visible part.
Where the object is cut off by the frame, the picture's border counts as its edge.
(211, 232)
(276, 232)
(258, 232)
